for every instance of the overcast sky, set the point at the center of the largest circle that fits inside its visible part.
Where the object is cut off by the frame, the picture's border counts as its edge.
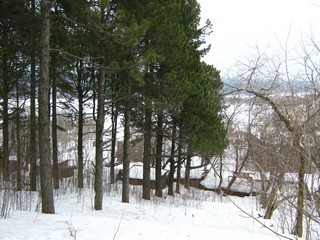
(241, 25)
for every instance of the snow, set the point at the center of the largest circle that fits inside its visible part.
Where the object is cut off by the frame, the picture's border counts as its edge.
(192, 215)
(195, 214)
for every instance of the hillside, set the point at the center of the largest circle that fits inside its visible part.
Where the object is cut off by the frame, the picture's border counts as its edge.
(193, 215)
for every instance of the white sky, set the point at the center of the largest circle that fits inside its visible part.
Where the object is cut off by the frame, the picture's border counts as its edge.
(241, 25)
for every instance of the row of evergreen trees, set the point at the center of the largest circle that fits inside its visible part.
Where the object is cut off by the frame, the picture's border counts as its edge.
(136, 59)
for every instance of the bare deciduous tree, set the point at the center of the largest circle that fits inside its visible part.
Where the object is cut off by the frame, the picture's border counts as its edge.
(292, 99)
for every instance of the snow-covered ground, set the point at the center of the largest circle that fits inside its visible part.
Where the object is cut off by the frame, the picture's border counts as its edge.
(192, 215)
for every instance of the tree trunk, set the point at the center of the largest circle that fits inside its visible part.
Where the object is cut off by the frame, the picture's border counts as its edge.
(114, 119)
(147, 150)
(188, 168)
(33, 122)
(179, 162)
(159, 155)
(44, 117)
(171, 159)
(220, 172)
(18, 141)
(54, 124)
(264, 190)
(80, 123)
(99, 136)
(238, 170)
(298, 228)
(5, 109)
(297, 142)
(5, 120)
(126, 142)
(272, 201)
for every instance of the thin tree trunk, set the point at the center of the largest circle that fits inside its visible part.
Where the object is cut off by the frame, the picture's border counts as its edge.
(179, 162)
(114, 119)
(33, 124)
(220, 172)
(159, 155)
(44, 117)
(5, 120)
(188, 168)
(18, 141)
(148, 78)
(126, 142)
(171, 160)
(238, 170)
(147, 150)
(54, 125)
(80, 124)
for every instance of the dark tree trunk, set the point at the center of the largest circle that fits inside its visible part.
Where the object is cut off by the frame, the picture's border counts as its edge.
(33, 122)
(171, 159)
(159, 156)
(114, 119)
(80, 123)
(4, 91)
(147, 150)
(54, 124)
(188, 168)
(5, 120)
(179, 162)
(44, 117)
(18, 141)
(126, 142)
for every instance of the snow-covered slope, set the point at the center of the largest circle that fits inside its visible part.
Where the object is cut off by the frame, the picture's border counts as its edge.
(208, 217)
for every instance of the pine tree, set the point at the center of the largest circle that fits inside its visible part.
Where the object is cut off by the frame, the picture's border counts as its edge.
(13, 67)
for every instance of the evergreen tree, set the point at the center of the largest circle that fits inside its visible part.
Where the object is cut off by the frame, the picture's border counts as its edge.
(13, 66)
(72, 47)
(18, 50)
(176, 78)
